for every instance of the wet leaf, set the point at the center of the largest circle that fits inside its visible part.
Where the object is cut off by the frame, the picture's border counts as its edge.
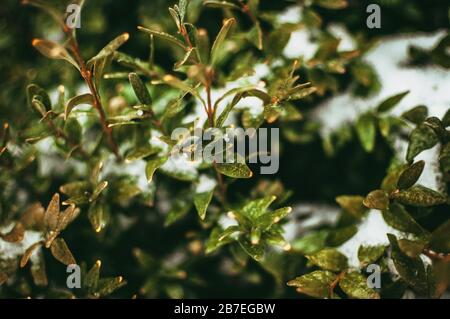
(410, 175)
(76, 101)
(98, 216)
(329, 259)
(164, 36)
(419, 196)
(98, 190)
(235, 170)
(61, 252)
(15, 235)
(332, 4)
(352, 204)
(411, 270)
(140, 89)
(28, 253)
(377, 199)
(411, 248)
(201, 202)
(366, 131)
(391, 102)
(110, 48)
(355, 286)
(311, 243)
(417, 114)
(53, 50)
(52, 213)
(370, 254)
(422, 138)
(440, 238)
(315, 284)
(339, 236)
(397, 217)
(254, 251)
(108, 285)
(220, 4)
(140, 153)
(92, 277)
(152, 165)
(220, 39)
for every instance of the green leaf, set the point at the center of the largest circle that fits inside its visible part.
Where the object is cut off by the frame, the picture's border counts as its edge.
(140, 89)
(183, 86)
(377, 199)
(257, 208)
(366, 131)
(329, 259)
(355, 286)
(110, 48)
(61, 252)
(98, 216)
(179, 209)
(36, 133)
(152, 165)
(316, 284)
(77, 100)
(75, 188)
(219, 238)
(182, 8)
(73, 130)
(411, 248)
(98, 190)
(417, 114)
(92, 277)
(36, 92)
(254, 251)
(370, 254)
(164, 36)
(220, 39)
(411, 270)
(311, 243)
(440, 238)
(221, 4)
(268, 219)
(410, 175)
(108, 285)
(422, 138)
(53, 50)
(390, 102)
(235, 170)
(140, 152)
(339, 236)
(300, 92)
(397, 217)
(419, 196)
(352, 204)
(201, 202)
(332, 4)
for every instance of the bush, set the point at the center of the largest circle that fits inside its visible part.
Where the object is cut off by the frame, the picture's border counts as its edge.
(99, 151)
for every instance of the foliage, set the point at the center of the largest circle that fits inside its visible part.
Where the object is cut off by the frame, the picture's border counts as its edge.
(88, 136)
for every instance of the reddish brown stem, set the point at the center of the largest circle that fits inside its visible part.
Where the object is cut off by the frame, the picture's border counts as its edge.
(87, 76)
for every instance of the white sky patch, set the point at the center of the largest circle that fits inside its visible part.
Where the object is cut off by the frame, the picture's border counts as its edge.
(205, 184)
(371, 232)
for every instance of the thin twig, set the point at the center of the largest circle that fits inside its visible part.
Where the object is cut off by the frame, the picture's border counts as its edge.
(87, 76)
